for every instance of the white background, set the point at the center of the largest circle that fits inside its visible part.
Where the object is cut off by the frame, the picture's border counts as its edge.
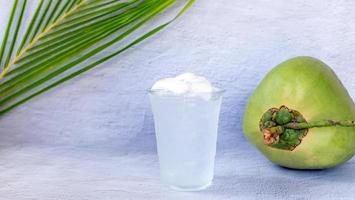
(49, 140)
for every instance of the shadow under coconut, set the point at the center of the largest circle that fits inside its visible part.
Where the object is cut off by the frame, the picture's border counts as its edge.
(343, 173)
(283, 183)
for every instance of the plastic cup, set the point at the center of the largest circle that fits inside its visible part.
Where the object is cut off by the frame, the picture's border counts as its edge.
(186, 134)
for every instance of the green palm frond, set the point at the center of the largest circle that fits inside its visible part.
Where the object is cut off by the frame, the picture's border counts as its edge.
(64, 39)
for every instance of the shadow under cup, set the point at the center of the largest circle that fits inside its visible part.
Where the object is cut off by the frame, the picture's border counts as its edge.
(186, 132)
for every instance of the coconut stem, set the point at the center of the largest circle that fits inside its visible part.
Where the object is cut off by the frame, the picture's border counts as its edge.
(284, 128)
(307, 125)
(323, 123)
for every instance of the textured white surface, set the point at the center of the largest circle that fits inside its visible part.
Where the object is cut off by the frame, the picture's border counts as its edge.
(92, 138)
(57, 173)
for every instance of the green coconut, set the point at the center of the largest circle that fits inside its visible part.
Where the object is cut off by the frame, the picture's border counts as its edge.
(301, 116)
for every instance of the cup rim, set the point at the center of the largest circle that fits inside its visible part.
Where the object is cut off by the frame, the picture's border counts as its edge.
(216, 91)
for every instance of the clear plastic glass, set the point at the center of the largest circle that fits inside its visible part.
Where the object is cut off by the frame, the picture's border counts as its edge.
(186, 133)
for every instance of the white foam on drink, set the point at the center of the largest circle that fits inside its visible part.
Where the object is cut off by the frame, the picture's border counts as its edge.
(186, 84)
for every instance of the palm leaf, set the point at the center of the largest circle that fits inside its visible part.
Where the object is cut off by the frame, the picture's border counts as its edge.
(66, 38)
